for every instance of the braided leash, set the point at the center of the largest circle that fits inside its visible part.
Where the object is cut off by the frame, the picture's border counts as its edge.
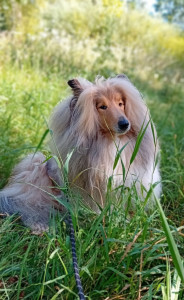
(56, 179)
(74, 258)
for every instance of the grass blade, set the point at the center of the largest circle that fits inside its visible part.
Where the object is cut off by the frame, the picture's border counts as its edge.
(138, 142)
(153, 133)
(22, 268)
(66, 165)
(175, 286)
(118, 156)
(42, 139)
(171, 243)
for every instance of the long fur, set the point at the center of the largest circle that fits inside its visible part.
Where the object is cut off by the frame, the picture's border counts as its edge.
(78, 125)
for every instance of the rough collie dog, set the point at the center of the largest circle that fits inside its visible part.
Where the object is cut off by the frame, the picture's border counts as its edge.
(96, 123)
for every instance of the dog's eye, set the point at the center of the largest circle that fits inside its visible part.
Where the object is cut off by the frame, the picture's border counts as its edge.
(103, 107)
(120, 104)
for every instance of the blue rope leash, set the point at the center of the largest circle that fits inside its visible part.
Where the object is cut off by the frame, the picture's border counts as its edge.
(74, 258)
(57, 180)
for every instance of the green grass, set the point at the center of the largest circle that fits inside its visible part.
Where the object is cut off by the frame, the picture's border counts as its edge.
(121, 255)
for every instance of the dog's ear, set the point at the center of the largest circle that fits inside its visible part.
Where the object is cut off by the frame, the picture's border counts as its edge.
(76, 87)
(123, 76)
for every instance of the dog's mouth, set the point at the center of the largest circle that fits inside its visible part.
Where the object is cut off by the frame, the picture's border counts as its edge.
(122, 131)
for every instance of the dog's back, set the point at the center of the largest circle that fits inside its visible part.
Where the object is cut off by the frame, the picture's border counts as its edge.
(30, 193)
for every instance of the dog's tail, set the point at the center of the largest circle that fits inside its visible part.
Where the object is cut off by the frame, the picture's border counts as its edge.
(29, 193)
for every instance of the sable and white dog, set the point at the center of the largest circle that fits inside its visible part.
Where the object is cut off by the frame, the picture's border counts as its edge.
(94, 122)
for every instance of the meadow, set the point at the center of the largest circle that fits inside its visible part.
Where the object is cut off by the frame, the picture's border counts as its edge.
(43, 44)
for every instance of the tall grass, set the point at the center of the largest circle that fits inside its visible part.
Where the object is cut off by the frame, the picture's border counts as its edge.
(122, 255)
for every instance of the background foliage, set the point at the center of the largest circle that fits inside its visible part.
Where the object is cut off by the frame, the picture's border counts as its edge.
(42, 45)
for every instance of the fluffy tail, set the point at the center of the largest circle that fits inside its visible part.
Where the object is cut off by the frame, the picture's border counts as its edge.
(29, 193)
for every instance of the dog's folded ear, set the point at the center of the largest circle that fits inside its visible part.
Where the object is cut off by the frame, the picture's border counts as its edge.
(76, 87)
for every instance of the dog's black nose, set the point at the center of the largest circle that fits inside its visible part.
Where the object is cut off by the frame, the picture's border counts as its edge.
(123, 123)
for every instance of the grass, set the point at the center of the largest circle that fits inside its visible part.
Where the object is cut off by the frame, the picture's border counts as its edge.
(120, 256)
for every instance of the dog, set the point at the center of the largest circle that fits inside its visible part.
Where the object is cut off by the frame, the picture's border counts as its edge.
(99, 123)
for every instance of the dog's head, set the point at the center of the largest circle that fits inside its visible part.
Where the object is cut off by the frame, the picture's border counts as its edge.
(112, 106)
